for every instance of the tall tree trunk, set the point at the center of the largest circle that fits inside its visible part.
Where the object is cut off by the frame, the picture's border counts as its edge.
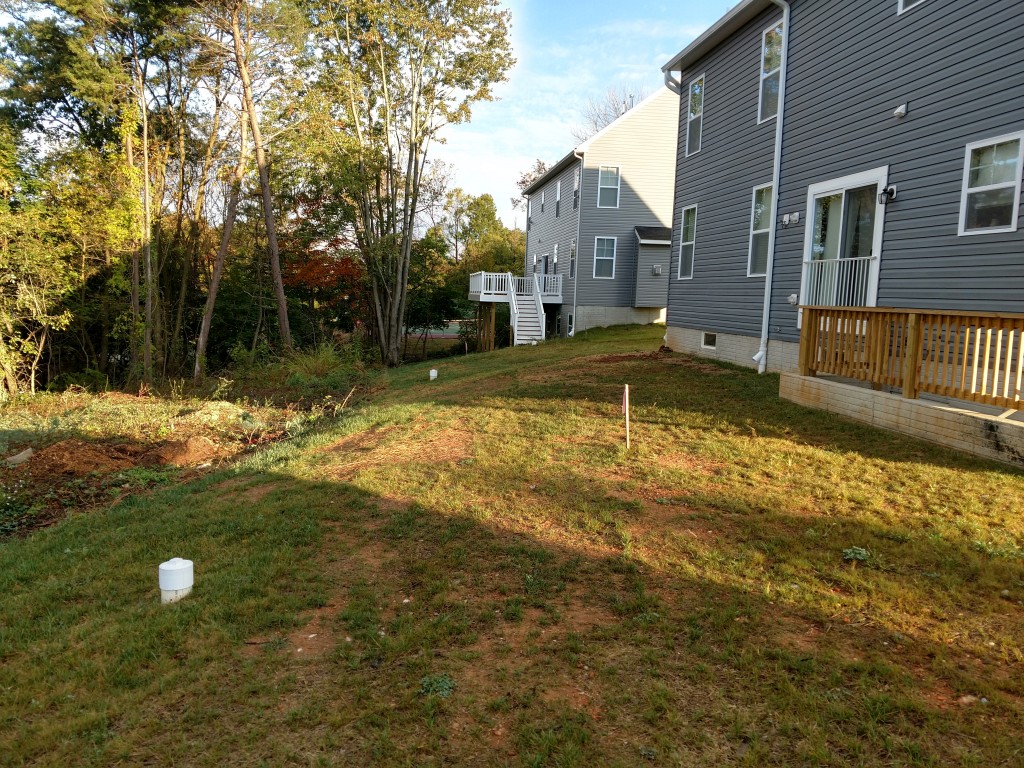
(133, 339)
(218, 267)
(147, 250)
(264, 171)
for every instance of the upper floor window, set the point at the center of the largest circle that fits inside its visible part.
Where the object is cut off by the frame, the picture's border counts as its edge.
(572, 259)
(608, 187)
(554, 259)
(906, 5)
(696, 116)
(604, 258)
(558, 197)
(771, 75)
(542, 195)
(687, 241)
(576, 189)
(990, 197)
(760, 231)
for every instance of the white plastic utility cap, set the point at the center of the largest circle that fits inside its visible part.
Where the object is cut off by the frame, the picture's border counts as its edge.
(433, 373)
(176, 578)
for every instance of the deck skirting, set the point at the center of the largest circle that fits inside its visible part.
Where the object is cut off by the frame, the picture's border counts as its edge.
(976, 433)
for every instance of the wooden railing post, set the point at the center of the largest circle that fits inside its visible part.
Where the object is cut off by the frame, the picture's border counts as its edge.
(807, 338)
(911, 355)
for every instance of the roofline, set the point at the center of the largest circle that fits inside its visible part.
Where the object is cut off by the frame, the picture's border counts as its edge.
(558, 167)
(581, 149)
(737, 16)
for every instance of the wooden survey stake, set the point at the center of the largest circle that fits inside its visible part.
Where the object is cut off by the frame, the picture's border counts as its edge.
(625, 410)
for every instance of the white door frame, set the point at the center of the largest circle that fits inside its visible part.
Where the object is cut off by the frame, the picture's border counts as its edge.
(878, 176)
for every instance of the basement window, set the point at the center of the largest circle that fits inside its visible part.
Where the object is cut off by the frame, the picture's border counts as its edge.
(709, 340)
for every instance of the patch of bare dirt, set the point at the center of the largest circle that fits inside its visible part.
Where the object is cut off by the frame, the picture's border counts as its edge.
(663, 355)
(183, 453)
(384, 445)
(78, 458)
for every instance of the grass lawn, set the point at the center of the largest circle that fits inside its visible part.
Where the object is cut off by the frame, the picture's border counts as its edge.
(474, 571)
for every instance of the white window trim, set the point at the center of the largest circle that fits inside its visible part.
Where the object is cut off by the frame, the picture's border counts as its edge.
(902, 7)
(615, 256)
(762, 76)
(542, 195)
(682, 229)
(750, 240)
(618, 186)
(962, 231)
(554, 259)
(558, 191)
(703, 335)
(879, 176)
(572, 260)
(689, 90)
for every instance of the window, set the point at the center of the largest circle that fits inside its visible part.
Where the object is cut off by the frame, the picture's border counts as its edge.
(604, 258)
(554, 256)
(760, 231)
(572, 262)
(708, 340)
(687, 238)
(558, 197)
(542, 200)
(608, 187)
(906, 5)
(558, 324)
(576, 189)
(696, 116)
(571, 326)
(991, 189)
(536, 263)
(771, 76)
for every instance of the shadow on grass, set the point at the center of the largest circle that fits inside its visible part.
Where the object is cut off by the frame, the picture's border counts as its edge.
(607, 631)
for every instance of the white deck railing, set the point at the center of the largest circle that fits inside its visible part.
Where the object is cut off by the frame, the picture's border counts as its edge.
(838, 282)
(551, 285)
(496, 285)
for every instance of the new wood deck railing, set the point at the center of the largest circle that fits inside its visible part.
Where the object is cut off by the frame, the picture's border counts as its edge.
(976, 356)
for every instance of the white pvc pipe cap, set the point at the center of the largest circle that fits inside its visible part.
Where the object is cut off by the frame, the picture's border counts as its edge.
(177, 573)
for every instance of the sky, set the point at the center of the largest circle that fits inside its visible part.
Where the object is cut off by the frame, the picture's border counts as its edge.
(567, 52)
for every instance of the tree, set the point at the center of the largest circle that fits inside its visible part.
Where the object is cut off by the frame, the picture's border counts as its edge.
(526, 178)
(397, 75)
(598, 113)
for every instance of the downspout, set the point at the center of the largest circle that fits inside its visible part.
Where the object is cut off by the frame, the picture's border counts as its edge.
(579, 218)
(761, 358)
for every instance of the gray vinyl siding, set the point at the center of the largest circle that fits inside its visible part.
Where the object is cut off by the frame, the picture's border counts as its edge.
(547, 229)
(960, 68)
(651, 290)
(643, 146)
(736, 155)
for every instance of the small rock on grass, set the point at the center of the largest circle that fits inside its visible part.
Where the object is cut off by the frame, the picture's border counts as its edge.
(19, 458)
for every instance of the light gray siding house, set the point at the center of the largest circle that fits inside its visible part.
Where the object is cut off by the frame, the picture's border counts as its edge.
(853, 206)
(589, 237)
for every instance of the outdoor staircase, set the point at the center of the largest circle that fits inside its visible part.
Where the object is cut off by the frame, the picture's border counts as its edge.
(527, 320)
(526, 297)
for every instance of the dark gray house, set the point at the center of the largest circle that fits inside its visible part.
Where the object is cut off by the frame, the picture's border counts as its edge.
(598, 231)
(832, 103)
(847, 166)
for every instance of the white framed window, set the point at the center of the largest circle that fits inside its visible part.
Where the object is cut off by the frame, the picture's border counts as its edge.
(554, 259)
(576, 189)
(906, 5)
(687, 241)
(542, 195)
(771, 72)
(604, 258)
(695, 116)
(708, 340)
(558, 197)
(572, 261)
(608, 186)
(536, 263)
(990, 199)
(760, 230)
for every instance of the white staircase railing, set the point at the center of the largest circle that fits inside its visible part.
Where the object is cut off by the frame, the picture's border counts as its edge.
(513, 305)
(539, 303)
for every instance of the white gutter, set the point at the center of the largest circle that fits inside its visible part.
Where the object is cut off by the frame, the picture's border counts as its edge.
(761, 358)
(579, 218)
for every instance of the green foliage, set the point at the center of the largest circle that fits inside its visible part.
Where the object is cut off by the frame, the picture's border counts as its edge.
(441, 686)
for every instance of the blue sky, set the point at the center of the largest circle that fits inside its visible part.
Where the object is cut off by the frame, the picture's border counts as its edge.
(567, 52)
